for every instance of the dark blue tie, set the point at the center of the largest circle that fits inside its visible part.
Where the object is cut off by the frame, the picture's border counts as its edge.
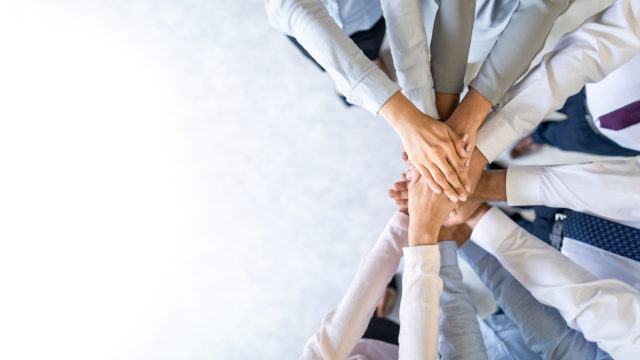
(604, 234)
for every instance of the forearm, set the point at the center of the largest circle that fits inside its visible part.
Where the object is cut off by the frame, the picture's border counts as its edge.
(450, 44)
(446, 104)
(543, 328)
(460, 336)
(599, 46)
(362, 82)
(606, 311)
(419, 309)
(516, 47)
(492, 186)
(343, 328)
(572, 186)
(410, 52)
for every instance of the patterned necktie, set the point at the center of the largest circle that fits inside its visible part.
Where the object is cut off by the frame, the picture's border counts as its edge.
(604, 234)
(622, 118)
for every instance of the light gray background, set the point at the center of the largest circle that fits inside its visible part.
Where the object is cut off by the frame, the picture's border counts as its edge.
(177, 182)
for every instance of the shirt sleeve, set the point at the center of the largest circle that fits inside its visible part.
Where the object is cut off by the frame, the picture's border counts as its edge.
(343, 327)
(572, 186)
(450, 44)
(603, 43)
(460, 336)
(410, 52)
(362, 82)
(516, 47)
(419, 307)
(606, 311)
(543, 329)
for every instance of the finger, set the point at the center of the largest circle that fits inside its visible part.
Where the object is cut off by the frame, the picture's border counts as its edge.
(413, 175)
(450, 177)
(403, 203)
(440, 179)
(400, 185)
(429, 180)
(463, 176)
(460, 143)
(403, 195)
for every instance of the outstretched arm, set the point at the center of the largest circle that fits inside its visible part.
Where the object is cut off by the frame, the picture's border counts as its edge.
(596, 48)
(343, 327)
(606, 311)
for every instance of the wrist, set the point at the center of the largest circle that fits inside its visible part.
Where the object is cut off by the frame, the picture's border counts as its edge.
(477, 215)
(398, 111)
(491, 186)
(423, 235)
(473, 108)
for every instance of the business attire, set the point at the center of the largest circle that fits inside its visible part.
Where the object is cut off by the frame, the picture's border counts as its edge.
(542, 328)
(602, 119)
(588, 54)
(608, 190)
(426, 268)
(606, 311)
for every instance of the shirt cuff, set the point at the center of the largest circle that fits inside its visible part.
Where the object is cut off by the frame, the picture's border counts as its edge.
(492, 229)
(400, 219)
(524, 185)
(425, 258)
(448, 253)
(495, 135)
(373, 91)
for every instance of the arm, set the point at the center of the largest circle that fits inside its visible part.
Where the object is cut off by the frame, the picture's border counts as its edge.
(362, 82)
(342, 328)
(569, 186)
(410, 51)
(450, 50)
(460, 336)
(606, 311)
(432, 146)
(516, 47)
(599, 46)
(542, 327)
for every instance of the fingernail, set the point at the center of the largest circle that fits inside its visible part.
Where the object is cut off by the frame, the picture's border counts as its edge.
(465, 137)
(463, 197)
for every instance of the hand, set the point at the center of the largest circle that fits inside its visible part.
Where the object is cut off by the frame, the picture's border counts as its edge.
(477, 215)
(468, 116)
(427, 211)
(458, 233)
(434, 148)
(400, 194)
(463, 212)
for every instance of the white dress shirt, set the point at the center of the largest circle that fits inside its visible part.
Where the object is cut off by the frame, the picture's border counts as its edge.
(607, 189)
(618, 89)
(309, 21)
(606, 311)
(599, 46)
(340, 335)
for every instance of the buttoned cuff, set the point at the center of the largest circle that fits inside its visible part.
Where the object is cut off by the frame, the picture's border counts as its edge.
(524, 185)
(448, 253)
(373, 91)
(423, 258)
(495, 135)
(492, 230)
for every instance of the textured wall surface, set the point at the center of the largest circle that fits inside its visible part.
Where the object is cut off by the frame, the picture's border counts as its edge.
(177, 182)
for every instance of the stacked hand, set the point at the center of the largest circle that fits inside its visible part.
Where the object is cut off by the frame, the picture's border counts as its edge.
(436, 151)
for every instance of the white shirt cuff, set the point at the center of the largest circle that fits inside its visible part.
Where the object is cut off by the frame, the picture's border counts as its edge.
(492, 230)
(495, 135)
(524, 185)
(423, 258)
(400, 219)
(373, 91)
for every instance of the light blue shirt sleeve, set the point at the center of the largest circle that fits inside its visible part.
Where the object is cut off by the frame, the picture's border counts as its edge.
(542, 327)
(460, 336)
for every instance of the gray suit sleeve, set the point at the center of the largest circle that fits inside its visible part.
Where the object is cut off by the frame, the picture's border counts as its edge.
(516, 47)
(450, 44)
